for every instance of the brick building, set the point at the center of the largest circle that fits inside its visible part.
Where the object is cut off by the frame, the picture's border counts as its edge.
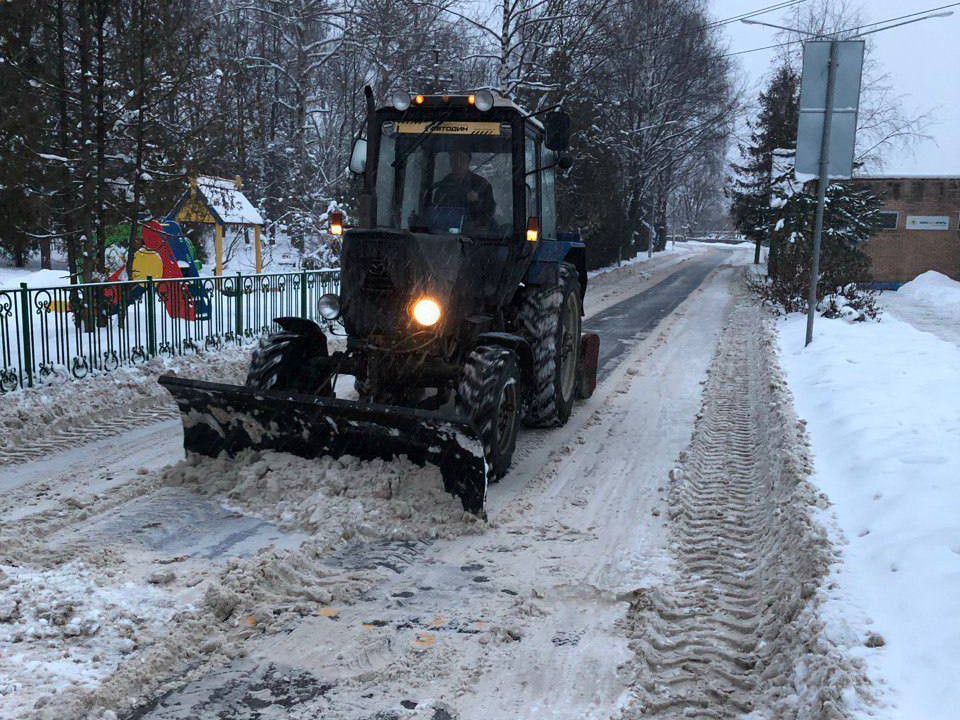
(920, 226)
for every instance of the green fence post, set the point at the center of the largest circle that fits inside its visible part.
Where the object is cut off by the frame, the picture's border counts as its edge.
(238, 310)
(26, 326)
(151, 318)
(303, 293)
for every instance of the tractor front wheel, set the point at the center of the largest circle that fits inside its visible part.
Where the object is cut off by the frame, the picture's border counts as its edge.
(489, 394)
(289, 361)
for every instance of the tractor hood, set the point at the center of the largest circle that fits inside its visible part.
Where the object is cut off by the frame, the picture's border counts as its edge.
(383, 272)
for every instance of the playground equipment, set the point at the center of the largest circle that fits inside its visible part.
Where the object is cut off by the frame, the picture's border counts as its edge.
(165, 253)
(219, 202)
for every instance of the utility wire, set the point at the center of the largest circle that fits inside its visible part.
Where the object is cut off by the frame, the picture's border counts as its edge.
(845, 30)
(717, 23)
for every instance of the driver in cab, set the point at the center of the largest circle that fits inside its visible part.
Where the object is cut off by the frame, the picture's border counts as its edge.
(462, 188)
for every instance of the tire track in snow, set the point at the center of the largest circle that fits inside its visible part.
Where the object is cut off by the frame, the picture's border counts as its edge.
(87, 429)
(738, 632)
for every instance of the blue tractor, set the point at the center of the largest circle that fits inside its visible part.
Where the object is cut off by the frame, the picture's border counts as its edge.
(460, 299)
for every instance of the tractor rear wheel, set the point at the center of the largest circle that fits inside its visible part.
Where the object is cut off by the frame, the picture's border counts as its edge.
(549, 317)
(489, 394)
(288, 361)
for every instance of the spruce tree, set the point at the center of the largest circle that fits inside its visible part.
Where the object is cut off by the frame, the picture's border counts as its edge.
(851, 218)
(775, 127)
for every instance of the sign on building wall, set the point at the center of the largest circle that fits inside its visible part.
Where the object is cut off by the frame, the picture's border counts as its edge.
(928, 222)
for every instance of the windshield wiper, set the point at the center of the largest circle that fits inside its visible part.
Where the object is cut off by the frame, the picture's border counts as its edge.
(419, 139)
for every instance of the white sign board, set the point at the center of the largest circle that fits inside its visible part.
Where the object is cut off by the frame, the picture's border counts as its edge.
(928, 222)
(813, 100)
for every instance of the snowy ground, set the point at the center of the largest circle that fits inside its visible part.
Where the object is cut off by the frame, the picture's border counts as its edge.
(653, 558)
(882, 405)
(930, 302)
(10, 278)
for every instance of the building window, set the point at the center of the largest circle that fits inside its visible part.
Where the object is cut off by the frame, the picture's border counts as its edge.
(889, 219)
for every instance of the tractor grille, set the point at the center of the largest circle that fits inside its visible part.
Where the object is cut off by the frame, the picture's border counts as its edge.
(378, 279)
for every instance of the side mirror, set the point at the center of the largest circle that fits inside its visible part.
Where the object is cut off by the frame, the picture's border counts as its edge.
(557, 127)
(358, 157)
(565, 162)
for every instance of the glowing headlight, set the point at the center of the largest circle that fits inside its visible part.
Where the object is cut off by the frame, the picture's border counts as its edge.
(329, 306)
(426, 311)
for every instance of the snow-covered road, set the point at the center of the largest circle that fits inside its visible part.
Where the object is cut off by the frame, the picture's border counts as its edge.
(280, 587)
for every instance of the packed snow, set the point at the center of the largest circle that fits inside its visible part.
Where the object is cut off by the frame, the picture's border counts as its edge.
(882, 405)
(70, 626)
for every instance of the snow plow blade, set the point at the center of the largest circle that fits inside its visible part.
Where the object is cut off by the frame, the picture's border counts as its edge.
(229, 418)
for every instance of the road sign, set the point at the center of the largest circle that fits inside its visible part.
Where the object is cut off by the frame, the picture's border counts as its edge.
(846, 102)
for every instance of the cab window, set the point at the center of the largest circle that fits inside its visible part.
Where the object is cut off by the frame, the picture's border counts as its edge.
(532, 177)
(448, 181)
(548, 193)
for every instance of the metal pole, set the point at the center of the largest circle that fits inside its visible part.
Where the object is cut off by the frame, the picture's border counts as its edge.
(238, 311)
(303, 294)
(151, 318)
(822, 184)
(26, 327)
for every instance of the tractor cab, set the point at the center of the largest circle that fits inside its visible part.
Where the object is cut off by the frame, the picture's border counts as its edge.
(471, 166)
(459, 202)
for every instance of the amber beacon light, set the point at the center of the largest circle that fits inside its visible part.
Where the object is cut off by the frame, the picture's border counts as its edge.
(336, 223)
(533, 229)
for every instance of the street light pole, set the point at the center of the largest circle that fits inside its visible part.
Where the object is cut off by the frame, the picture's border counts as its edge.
(822, 185)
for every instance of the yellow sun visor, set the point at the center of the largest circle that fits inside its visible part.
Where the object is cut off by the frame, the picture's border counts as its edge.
(449, 128)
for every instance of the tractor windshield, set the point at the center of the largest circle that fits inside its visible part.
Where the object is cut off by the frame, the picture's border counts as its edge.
(446, 178)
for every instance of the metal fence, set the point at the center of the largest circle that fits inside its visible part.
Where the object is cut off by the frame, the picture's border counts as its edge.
(78, 330)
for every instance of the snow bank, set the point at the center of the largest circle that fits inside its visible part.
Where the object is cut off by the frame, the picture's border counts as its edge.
(332, 499)
(882, 401)
(934, 288)
(641, 258)
(34, 413)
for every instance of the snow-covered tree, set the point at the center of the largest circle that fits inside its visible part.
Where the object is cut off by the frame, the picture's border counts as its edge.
(851, 218)
(774, 127)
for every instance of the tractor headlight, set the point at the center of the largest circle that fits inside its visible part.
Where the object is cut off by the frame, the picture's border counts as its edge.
(483, 100)
(401, 100)
(426, 311)
(329, 306)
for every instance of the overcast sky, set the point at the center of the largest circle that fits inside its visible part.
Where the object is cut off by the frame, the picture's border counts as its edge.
(922, 60)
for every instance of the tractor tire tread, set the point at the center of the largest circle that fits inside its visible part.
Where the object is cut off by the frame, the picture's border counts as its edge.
(477, 395)
(537, 319)
(283, 360)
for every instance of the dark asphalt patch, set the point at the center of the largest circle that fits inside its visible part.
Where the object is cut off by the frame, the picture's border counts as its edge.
(623, 325)
(238, 691)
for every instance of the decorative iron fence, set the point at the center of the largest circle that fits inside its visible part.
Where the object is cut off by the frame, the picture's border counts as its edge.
(76, 330)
